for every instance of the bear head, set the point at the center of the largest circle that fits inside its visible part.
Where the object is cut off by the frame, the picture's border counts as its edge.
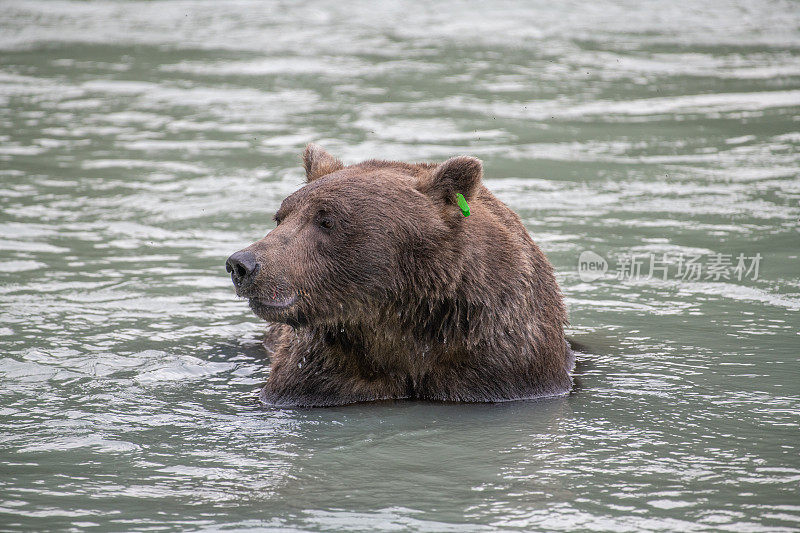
(356, 240)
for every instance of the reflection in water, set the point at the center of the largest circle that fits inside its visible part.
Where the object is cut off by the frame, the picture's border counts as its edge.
(141, 143)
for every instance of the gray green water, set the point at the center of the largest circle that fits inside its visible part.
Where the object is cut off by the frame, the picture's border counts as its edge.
(143, 142)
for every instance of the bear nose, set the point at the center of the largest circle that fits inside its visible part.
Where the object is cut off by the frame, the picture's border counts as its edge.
(243, 268)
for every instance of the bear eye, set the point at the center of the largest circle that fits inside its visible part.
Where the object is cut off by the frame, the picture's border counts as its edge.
(277, 219)
(324, 220)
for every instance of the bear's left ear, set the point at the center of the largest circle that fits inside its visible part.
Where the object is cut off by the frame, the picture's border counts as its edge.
(460, 174)
(318, 162)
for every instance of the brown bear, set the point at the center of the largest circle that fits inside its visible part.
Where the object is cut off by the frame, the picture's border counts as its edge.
(379, 287)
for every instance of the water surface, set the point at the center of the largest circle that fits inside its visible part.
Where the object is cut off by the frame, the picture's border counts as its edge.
(143, 142)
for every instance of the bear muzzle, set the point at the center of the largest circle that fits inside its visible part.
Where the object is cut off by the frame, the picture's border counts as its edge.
(276, 305)
(270, 297)
(243, 268)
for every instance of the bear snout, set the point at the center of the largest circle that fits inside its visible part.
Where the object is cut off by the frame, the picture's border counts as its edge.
(243, 267)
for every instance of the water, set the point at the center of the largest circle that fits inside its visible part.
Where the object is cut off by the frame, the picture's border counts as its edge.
(141, 143)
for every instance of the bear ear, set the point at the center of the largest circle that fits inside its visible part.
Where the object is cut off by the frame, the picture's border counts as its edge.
(318, 162)
(460, 174)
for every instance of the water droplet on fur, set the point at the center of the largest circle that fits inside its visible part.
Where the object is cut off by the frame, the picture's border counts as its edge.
(299, 365)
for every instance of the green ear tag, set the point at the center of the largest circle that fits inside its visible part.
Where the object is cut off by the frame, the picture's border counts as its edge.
(462, 203)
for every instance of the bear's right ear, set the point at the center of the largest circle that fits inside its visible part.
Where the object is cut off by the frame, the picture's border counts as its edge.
(318, 163)
(456, 175)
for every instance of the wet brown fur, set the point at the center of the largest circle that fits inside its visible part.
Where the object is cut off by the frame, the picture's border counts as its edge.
(403, 296)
